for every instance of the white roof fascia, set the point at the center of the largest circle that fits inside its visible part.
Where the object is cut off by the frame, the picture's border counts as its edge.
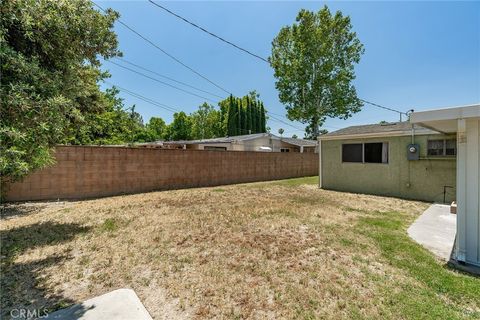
(377, 135)
(465, 112)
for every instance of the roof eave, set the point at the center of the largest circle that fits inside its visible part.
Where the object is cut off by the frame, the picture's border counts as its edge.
(376, 135)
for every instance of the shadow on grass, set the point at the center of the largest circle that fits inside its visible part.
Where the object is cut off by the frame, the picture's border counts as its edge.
(443, 293)
(9, 211)
(22, 282)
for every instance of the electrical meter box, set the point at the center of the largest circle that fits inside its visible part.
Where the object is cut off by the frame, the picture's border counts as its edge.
(413, 152)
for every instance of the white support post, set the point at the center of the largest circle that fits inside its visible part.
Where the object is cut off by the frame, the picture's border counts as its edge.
(319, 163)
(461, 189)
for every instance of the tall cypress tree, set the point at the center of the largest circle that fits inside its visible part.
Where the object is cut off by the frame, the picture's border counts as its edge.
(263, 118)
(231, 121)
(243, 115)
(238, 108)
(259, 118)
(249, 118)
(243, 112)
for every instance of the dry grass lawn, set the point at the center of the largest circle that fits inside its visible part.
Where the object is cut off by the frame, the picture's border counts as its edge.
(270, 250)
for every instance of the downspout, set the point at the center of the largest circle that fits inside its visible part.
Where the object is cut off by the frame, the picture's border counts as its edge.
(409, 182)
(319, 163)
(413, 134)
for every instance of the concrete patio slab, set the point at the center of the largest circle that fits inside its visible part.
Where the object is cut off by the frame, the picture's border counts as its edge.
(435, 229)
(121, 304)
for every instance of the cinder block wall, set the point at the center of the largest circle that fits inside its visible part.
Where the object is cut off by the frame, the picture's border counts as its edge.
(88, 172)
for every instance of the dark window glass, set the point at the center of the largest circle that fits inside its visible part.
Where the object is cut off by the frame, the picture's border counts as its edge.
(435, 147)
(442, 147)
(352, 152)
(214, 148)
(374, 152)
(450, 147)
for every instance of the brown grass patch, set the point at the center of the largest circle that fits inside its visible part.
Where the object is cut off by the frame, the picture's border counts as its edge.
(268, 250)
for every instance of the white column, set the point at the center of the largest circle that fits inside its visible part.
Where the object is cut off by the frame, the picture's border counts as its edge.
(461, 189)
(472, 223)
(319, 163)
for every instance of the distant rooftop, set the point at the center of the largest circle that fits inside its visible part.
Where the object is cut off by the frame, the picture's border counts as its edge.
(379, 128)
(246, 137)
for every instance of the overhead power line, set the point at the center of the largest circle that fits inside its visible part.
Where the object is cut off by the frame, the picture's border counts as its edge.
(143, 98)
(159, 104)
(247, 51)
(168, 78)
(284, 122)
(279, 115)
(165, 52)
(204, 77)
(208, 32)
(386, 108)
(160, 81)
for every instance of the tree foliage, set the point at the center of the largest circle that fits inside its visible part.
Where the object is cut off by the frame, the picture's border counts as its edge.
(314, 63)
(206, 122)
(115, 125)
(49, 65)
(180, 128)
(245, 115)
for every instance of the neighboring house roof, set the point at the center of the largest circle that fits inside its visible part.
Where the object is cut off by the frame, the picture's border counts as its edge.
(377, 130)
(247, 137)
(300, 142)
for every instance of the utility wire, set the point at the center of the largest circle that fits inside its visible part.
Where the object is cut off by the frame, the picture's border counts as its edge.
(284, 122)
(189, 68)
(208, 32)
(382, 107)
(143, 98)
(160, 81)
(165, 52)
(159, 104)
(167, 77)
(279, 115)
(247, 51)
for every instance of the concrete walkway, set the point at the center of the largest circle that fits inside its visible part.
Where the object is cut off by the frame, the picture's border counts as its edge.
(435, 229)
(121, 304)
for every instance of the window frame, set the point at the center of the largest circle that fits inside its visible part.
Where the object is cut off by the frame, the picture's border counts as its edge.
(444, 149)
(363, 152)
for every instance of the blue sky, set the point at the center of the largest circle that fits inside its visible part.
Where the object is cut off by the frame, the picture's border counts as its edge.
(418, 55)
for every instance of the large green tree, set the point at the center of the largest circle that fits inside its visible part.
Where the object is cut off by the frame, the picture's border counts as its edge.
(180, 128)
(49, 53)
(314, 63)
(156, 129)
(115, 125)
(206, 122)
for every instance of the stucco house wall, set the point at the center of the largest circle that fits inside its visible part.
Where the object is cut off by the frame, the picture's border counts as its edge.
(276, 145)
(422, 179)
(251, 145)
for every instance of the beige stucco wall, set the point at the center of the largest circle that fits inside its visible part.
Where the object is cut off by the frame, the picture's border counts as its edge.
(202, 146)
(422, 180)
(252, 145)
(276, 145)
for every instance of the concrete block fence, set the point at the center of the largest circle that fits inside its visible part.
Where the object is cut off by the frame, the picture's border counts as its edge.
(88, 172)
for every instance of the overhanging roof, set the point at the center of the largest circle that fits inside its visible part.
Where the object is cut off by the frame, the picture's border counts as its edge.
(445, 120)
(391, 129)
